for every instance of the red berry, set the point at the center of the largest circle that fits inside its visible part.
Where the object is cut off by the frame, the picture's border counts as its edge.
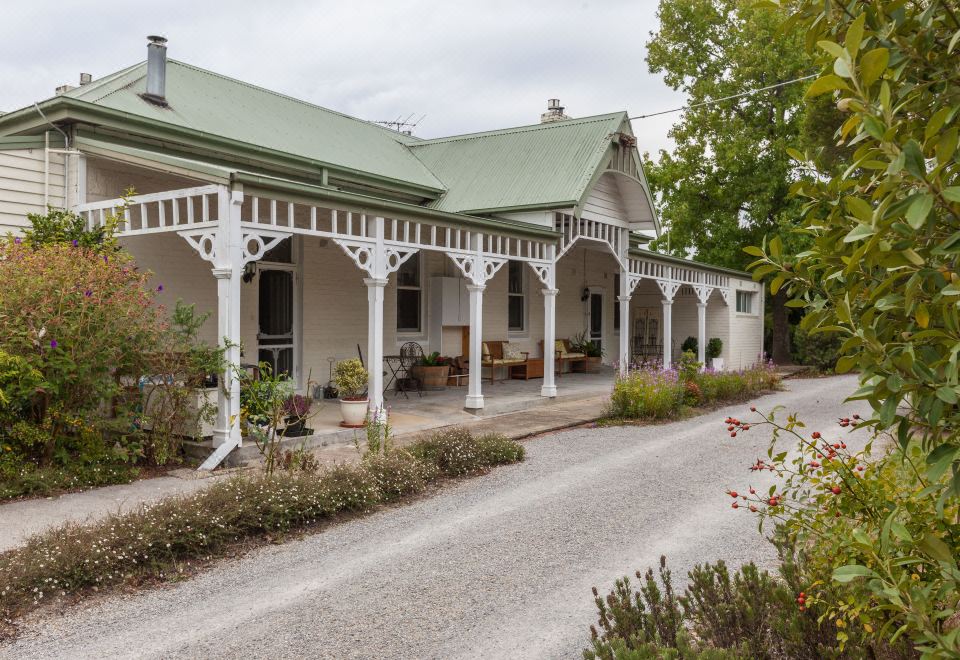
(730, 428)
(816, 435)
(860, 468)
(735, 505)
(753, 409)
(836, 515)
(773, 501)
(733, 434)
(753, 491)
(856, 416)
(843, 445)
(732, 493)
(802, 608)
(753, 508)
(836, 490)
(803, 595)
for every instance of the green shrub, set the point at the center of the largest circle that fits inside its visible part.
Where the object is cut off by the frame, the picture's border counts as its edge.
(398, 474)
(457, 452)
(714, 348)
(351, 378)
(819, 350)
(690, 344)
(749, 615)
(646, 394)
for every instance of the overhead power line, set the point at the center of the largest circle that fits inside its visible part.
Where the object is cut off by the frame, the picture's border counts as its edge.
(727, 98)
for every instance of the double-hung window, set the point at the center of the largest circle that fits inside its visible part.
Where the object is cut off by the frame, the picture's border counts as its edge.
(516, 297)
(409, 296)
(745, 302)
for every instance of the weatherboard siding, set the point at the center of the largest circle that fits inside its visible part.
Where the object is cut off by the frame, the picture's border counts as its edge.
(605, 202)
(22, 186)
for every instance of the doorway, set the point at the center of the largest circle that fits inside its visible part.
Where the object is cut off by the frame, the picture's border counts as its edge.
(275, 338)
(595, 322)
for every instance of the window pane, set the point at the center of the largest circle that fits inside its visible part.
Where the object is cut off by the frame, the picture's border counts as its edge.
(516, 276)
(409, 273)
(408, 310)
(515, 321)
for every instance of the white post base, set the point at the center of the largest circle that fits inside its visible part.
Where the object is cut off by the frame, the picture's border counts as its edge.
(474, 402)
(548, 391)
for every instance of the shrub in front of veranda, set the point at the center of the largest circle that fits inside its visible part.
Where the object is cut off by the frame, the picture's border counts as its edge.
(163, 539)
(79, 317)
(689, 344)
(457, 452)
(819, 350)
(646, 394)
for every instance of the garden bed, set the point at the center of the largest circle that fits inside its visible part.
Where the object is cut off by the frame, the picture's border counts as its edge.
(166, 540)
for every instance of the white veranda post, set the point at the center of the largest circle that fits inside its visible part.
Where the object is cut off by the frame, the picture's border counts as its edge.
(624, 331)
(669, 290)
(378, 257)
(477, 268)
(702, 332)
(547, 274)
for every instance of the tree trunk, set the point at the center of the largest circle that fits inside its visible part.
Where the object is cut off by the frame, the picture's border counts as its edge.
(780, 344)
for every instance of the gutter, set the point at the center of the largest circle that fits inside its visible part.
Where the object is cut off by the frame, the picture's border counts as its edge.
(368, 202)
(680, 261)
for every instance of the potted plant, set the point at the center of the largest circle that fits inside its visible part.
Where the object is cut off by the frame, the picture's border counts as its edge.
(580, 344)
(296, 408)
(713, 351)
(432, 371)
(351, 378)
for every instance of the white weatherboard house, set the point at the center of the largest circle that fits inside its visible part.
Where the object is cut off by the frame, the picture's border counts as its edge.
(307, 231)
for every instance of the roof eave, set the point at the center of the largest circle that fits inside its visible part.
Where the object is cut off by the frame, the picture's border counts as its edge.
(65, 108)
(544, 206)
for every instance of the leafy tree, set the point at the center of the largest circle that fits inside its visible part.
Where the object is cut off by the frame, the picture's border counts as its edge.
(727, 182)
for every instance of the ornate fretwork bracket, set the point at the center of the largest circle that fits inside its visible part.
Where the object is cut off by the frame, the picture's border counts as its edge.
(363, 254)
(632, 282)
(703, 292)
(725, 293)
(256, 244)
(544, 272)
(476, 268)
(205, 243)
(668, 288)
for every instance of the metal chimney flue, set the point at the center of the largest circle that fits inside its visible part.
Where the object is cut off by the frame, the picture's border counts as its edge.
(156, 71)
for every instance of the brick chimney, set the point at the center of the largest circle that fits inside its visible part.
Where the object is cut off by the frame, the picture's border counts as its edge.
(554, 112)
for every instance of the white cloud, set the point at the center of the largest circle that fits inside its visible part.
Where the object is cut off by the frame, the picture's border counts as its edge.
(468, 66)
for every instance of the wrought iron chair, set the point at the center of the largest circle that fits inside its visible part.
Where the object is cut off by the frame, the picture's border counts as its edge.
(411, 354)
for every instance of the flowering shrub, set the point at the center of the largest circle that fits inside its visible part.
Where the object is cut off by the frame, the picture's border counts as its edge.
(880, 537)
(80, 318)
(166, 538)
(652, 393)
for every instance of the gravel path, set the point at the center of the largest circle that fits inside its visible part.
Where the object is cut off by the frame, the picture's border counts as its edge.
(498, 566)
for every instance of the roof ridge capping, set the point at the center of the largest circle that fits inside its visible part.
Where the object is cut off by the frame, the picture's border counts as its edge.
(522, 129)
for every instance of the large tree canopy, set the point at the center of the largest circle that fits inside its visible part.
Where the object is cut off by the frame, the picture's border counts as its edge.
(727, 182)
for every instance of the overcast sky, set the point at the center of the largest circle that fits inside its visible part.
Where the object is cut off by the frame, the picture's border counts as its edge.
(467, 66)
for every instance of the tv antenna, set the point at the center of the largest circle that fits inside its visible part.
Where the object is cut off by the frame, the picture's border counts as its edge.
(402, 125)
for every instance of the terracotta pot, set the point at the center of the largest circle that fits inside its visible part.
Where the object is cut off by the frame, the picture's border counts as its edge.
(433, 378)
(354, 413)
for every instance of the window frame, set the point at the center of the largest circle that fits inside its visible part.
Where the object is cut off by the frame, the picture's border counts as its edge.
(523, 295)
(418, 331)
(748, 297)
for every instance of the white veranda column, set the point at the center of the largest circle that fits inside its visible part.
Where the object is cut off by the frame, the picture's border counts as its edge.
(624, 332)
(228, 269)
(375, 287)
(549, 387)
(702, 332)
(667, 331)
(474, 395)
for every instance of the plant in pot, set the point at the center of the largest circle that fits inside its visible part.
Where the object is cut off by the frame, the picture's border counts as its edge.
(580, 344)
(690, 344)
(713, 351)
(433, 371)
(351, 379)
(296, 409)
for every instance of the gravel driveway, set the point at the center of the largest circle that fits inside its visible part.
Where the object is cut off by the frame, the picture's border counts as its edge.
(497, 566)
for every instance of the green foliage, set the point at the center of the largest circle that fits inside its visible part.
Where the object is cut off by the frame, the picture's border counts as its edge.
(880, 539)
(651, 394)
(263, 409)
(580, 344)
(434, 360)
(20, 384)
(690, 344)
(456, 452)
(351, 378)
(819, 350)
(166, 539)
(885, 231)
(59, 226)
(714, 348)
(749, 615)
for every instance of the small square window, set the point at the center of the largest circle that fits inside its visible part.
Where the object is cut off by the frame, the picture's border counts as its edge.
(745, 302)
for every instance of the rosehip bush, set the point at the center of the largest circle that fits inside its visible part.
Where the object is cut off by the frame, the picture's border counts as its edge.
(880, 537)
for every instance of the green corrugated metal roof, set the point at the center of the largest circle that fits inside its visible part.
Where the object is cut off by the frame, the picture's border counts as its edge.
(208, 102)
(534, 165)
